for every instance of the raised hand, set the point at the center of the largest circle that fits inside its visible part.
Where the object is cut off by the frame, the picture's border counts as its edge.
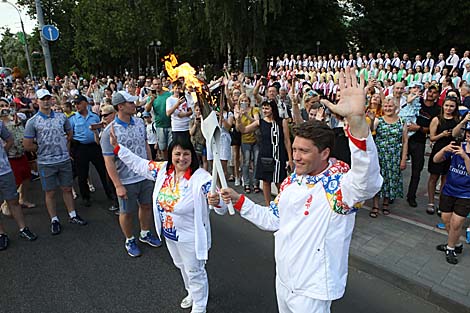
(352, 103)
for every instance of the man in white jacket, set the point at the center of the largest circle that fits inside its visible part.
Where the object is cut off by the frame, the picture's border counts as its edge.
(313, 214)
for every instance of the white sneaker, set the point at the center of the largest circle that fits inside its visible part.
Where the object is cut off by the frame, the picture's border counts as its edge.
(187, 302)
(237, 181)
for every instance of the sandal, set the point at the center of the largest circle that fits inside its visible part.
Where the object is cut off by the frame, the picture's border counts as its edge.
(430, 209)
(256, 189)
(247, 189)
(385, 209)
(374, 212)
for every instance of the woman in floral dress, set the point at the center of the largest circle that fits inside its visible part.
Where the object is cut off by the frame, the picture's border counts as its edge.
(392, 146)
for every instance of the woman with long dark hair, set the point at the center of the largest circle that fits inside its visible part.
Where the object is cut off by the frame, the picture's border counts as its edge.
(275, 154)
(440, 132)
(181, 211)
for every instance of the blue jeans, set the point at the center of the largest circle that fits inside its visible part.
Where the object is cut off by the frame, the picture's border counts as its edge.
(250, 152)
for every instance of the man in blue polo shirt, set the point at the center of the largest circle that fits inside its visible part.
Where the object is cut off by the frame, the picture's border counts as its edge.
(8, 191)
(134, 191)
(85, 149)
(52, 132)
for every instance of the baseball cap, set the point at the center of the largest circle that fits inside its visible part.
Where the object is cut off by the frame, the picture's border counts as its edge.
(123, 96)
(5, 100)
(21, 116)
(146, 114)
(41, 93)
(79, 98)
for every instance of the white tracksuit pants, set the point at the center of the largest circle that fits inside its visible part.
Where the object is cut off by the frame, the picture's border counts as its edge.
(193, 272)
(289, 302)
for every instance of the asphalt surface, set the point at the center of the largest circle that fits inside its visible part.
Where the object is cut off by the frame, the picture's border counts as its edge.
(86, 269)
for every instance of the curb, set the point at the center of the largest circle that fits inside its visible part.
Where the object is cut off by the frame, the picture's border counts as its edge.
(440, 296)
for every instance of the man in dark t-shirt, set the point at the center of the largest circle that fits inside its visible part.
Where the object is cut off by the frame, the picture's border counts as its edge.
(417, 142)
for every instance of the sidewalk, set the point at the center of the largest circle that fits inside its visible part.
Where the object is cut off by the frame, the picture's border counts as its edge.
(401, 249)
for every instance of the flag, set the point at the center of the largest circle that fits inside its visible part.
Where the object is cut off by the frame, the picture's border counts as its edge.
(21, 38)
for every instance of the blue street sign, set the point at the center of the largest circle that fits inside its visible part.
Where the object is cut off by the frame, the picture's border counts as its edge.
(50, 32)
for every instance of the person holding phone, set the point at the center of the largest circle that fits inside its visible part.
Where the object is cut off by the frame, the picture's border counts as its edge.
(179, 108)
(454, 201)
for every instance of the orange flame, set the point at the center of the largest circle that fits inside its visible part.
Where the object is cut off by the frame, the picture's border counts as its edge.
(184, 70)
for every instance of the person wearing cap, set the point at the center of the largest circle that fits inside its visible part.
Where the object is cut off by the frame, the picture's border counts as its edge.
(44, 134)
(85, 149)
(134, 191)
(454, 201)
(409, 112)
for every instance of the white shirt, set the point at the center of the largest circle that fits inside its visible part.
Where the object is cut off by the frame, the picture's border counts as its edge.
(178, 123)
(151, 135)
(313, 219)
(452, 60)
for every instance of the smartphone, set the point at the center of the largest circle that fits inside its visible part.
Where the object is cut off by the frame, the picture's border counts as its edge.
(153, 91)
(96, 126)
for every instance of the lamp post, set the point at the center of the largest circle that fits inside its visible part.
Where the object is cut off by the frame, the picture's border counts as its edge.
(1, 57)
(26, 47)
(157, 51)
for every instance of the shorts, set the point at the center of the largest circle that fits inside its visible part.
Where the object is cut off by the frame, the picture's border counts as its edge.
(459, 206)
(56, 175)
(225, 150)
(137, 194)
(21, 169)
(164, 138)
(8, 187)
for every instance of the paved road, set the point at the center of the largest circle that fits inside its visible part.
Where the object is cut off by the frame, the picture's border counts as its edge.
(85, 269)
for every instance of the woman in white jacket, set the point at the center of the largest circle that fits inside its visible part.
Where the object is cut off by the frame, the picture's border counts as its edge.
(181, 202)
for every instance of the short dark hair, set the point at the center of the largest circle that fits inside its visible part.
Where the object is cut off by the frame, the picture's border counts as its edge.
(318, 132)
(186, 144)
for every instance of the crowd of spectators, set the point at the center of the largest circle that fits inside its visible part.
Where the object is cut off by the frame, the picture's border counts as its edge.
(410, 103)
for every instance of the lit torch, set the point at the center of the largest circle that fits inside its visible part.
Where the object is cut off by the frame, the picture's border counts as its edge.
(210, 125)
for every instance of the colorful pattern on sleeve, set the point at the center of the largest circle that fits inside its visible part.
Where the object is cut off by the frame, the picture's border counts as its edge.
(154, 167)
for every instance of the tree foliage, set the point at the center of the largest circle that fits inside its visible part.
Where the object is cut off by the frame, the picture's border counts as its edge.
(111, 36)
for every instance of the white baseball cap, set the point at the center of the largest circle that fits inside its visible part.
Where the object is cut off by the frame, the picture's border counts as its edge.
(41, 93)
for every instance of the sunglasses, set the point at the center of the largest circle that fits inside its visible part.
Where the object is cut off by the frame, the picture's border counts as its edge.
(106, 114)
(451, 98)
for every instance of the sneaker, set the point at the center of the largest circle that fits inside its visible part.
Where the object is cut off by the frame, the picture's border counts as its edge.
(132, 248)
(3, 241)
(451, 257)
(34, 176)
(187, 302)
(27, 234)
(441, 226)
(237, 181)
(151, 240)
(77, 220)
(443, 248)
(91, 188)
(55, 228)
(467, 235)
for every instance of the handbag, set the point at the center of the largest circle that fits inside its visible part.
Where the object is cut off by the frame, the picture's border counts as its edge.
(267, 164)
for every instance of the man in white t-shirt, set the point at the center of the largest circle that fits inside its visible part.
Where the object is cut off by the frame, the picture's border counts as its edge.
(180, 110)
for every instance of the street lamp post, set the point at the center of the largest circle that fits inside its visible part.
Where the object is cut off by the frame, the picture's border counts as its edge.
(26, 47)
(1, 57)
(157, 51)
